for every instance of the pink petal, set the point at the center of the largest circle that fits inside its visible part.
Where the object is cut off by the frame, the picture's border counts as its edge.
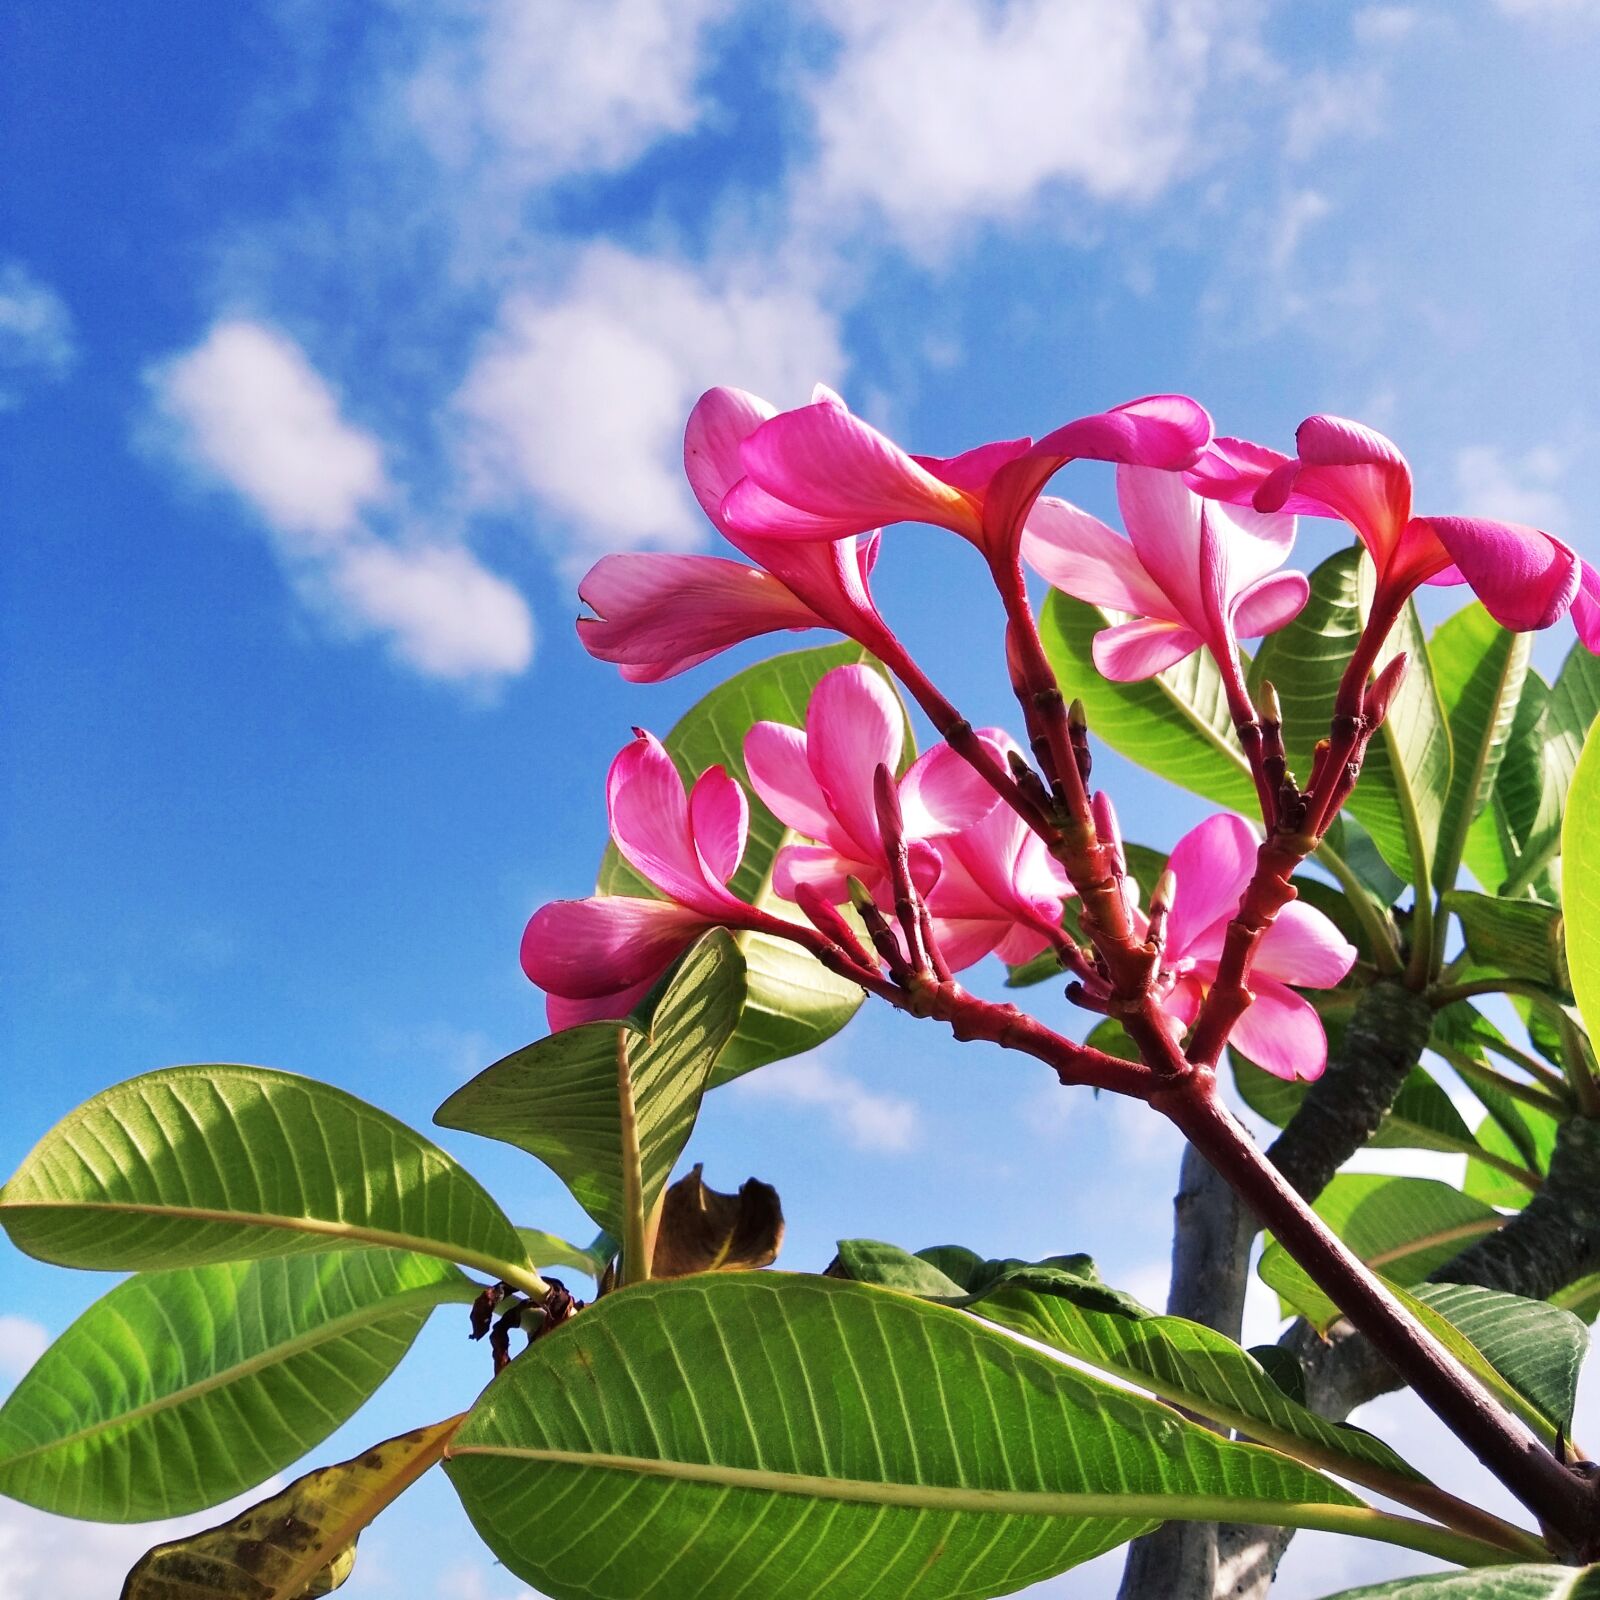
(587, 949)
(853, 724)
(827, 575)
(1184, 1000)
(650, 822)
(1021, 944)
(1304, 948)
(943, 794)
(561, 1012)
(823, 460)
(1281, 1032)
(963, 942)
(748, 509)
(973, 470)
(1272, 603)
(719, 819)
(1586, 608)
(1140, 649)
(1166, 524)
(1162, 430)
(1081, 556)
(721, 421)
(1213, 863)
(775, 759)
(1256, 542)
(658, 615)
(1525, 578)
(826, 870)
(1347, 471)
(1233, 469)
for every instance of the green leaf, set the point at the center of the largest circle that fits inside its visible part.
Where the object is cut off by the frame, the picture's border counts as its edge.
(1406, 777)
(792, 1002)
(1401, 1227)
(1487, 1583)
(1175, 724)
(1516, 1133)
(1479, 668)
(298, 1544)
(1174, 1359)
(564, 1098)
(1516, 938)
(180, 1389)
(1520, 830)
(1354, 844)
(547, 1250)
(192, 1165)
(1580, 852)
(1536, 1347)
(1582, 1298)
(806, 1436)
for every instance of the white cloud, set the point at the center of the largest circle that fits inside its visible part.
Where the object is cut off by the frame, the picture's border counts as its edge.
(246, 409)
(1525, 488)
(253, 412)
(1330, 106)
(1301, 209)
(962, 110)
(538, 92)
(22, 1342)
(1550, 10)
(578, 397)
(37, 339)
(44, 1557)
(861, 1116)
(1385, 24)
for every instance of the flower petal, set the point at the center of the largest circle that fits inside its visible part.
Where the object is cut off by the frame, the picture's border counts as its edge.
(1269, 604)
(1233, 470)
(561, 1012)
(1081, 556)
(827, 871)
(650, 822)
(1303, 947)
(824, 460)
(1161, 430)
(1212, 863)
(853, 724)
(1281, 1032)
(1586, 608)
(943, 794)
(1165, 523)
(719, 819)
(775, 759)
(584, 949)
(1142, 648)
(973, 470)
(721, 421)
(658, 615)
(1526, 578)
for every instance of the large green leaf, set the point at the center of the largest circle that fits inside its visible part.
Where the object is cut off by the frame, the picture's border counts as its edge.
(1175, 724)
(570, 1098)
(793, 1002)
(1068, 1308)
(1406, 778)
(298, 1544)
(788, 1437)
(1479, 668)
(192, 1165)
(179, 1389)
(1401, 1227)
(1515, 1139)
(1536, 1347)
(550, 1250)
(1518, 832)
(1487, 1583)
(1580, 854)
(1515, 938)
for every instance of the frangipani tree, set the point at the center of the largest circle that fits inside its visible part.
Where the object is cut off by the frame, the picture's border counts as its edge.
(708, 1427)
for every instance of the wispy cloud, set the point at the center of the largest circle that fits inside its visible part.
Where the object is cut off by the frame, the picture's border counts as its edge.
(22, 1342)
(245, 409)
(1514, 488)
(862, 1117)
(577, 397)
(38, 342)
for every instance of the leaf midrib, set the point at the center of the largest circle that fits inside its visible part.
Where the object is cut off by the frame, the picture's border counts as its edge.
(1353, 1516)
(424, 1298)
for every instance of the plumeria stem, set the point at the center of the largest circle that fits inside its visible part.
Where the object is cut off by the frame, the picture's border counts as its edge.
(1475, 1071)
(1566, 1502)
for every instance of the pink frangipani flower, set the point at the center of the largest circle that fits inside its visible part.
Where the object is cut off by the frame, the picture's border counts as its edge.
(597, 958)
(1281, 1031)
(999, 889)
(820, 472)
(819, 781)
(658, 615)
(1193, 573)
(1526, 578)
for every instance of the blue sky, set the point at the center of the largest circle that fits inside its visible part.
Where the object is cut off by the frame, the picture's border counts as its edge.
(334, 348)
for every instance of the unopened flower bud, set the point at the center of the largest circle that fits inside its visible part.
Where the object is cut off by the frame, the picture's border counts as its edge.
(1271, 709)
(1164, 893)
(1375, 703)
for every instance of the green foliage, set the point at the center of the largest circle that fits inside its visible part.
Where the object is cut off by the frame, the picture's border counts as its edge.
(802, 1433)
(1491, 1583)
(1516, 938)
(180, 1389)
(565, 1099)
(1580, 849)
(193, 1165)
(792, 1003)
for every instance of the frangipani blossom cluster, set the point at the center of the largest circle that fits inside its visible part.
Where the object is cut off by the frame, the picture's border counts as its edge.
(976, 848)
